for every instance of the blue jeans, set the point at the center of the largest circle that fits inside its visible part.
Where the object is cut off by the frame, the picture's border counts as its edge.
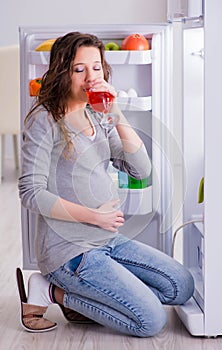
(123, 285)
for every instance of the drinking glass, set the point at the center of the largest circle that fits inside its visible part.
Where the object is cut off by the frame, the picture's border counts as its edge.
(101, 101)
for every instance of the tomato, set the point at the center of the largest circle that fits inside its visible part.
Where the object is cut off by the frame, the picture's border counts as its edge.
(135, 42)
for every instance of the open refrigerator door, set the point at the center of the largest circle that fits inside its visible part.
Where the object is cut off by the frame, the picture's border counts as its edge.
(201, 139)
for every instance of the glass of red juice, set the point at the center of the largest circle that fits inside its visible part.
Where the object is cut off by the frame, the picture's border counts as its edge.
(101, 101)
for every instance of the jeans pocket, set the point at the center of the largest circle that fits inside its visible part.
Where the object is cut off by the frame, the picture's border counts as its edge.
(73, 264)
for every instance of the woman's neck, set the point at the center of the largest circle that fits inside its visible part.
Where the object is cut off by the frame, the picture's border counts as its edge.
(80, 121)
(76, 107)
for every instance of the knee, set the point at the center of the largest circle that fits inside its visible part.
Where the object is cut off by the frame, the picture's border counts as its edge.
(185, 287)
(152, 323)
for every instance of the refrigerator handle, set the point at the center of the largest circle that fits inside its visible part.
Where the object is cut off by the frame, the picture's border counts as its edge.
(199, 53)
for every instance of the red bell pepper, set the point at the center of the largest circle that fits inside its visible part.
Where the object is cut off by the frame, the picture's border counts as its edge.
(34, 86)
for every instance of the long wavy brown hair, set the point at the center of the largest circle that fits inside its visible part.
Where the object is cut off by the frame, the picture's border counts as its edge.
(56, 82)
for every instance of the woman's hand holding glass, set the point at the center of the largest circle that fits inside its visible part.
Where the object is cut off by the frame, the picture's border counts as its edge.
(101, 96)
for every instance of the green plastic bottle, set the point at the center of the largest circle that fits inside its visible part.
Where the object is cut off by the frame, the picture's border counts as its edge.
(137, 183)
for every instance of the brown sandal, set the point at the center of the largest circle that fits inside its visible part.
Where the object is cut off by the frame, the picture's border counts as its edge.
(32, 319)
(74, 316)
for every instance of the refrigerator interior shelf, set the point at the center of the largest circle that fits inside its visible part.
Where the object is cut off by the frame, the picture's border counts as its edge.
(135, 103)
(128, 57)
(136, 201)
(39, 57)
(113, 57)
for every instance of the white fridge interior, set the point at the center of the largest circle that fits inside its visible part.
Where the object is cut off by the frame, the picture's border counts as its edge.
(147, 211)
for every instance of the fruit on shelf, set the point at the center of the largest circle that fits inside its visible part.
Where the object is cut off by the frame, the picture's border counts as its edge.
(112, 46)
(45, 45)
(201, 191)
(34, 86)
(132, 92)
(135, 42)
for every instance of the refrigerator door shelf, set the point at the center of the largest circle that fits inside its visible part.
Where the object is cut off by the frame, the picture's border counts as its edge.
(136, 201)
(135, 103)
(113, 57)
(198, 295)
(200, 227)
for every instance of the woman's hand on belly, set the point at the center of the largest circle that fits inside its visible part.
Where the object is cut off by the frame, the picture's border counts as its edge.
(108, 217)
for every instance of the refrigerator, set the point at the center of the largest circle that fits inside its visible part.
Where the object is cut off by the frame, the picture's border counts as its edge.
(168, 114)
